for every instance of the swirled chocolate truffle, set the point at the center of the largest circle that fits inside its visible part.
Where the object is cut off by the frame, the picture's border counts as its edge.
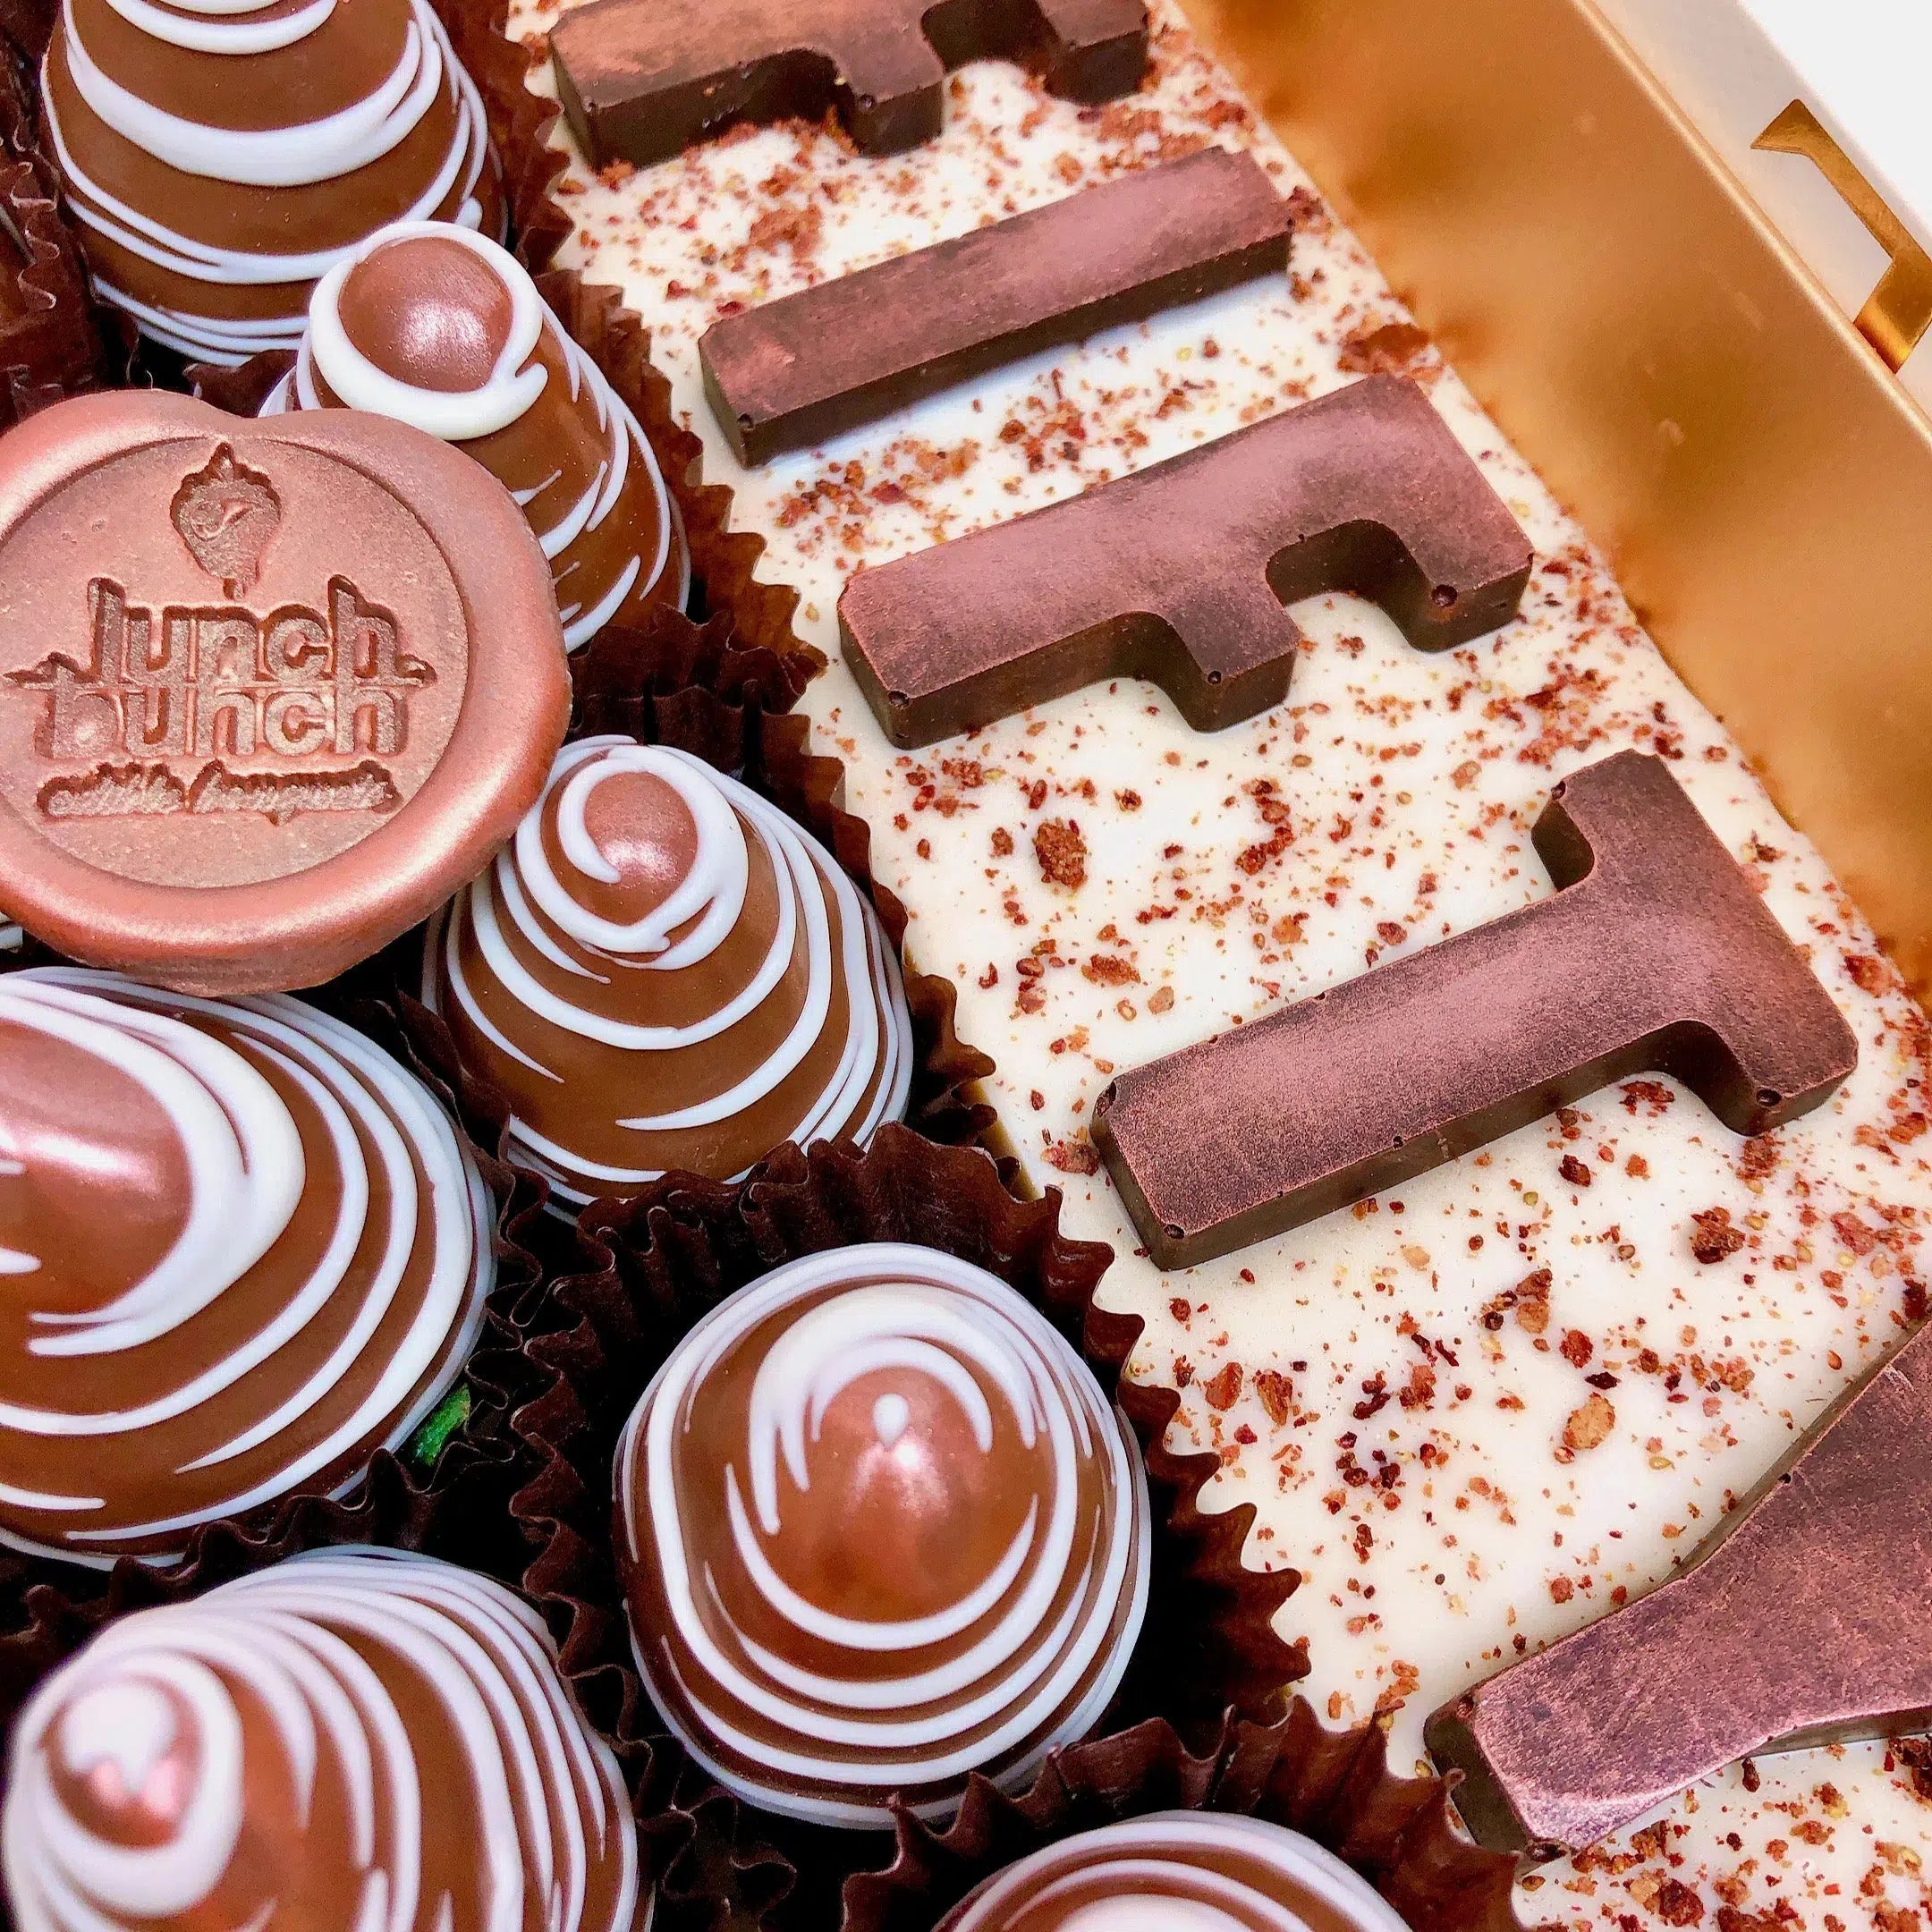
(662, 971)
(879, 1529)
(243, 1249)
(351, 1739)
(1202, 1870)
(442, 329)
(220, 157)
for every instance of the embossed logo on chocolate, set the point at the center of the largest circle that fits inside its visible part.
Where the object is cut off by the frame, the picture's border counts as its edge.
(234, 658)
(246, 659)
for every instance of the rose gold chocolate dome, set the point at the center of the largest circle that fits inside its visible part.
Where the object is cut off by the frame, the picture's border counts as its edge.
(662, 971)
(355, 1738)
(879, 1528)
(220, 161)
(444, 330)
(242, 1251)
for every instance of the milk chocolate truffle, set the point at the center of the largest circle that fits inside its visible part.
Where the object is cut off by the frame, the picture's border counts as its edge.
(445, 330)
(243, 1250)
(357, 1738)
(879, 1529)
(662, 971)
(1203, 1870)
(220, 157)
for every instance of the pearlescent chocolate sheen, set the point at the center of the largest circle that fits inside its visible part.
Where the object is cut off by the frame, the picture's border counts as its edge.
(444, 330)
(269, 691)
(1178, 1871)
(879, 1530)
(352, 1738)
(663, 971)
(220, 157)
(243, 1249)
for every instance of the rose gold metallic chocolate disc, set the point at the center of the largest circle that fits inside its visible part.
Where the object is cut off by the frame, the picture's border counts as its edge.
(269, 691)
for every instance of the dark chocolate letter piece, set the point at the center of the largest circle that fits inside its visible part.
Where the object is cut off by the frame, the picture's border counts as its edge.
(642, 79)
(1653, 955)
(824, 360)
(1801, 1621)
(1179, 572)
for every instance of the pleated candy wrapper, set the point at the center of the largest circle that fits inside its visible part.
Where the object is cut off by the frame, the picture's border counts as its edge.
(1205, 1717)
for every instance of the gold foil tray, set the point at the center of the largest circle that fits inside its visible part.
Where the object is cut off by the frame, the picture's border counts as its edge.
(1762, 484)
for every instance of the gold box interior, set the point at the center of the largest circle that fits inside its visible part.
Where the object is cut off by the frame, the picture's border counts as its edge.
(1760, 481)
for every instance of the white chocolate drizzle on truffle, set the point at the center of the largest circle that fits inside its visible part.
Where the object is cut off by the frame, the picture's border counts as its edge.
(663, 971)
(356, 1737)
(879, 1528)
(1178, 1871)
(246, 1250)
(221, 156)
(442, 329)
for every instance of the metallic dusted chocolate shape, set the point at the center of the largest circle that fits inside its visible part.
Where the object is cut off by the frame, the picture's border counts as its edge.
(1180, 572)
(640, 80)
(796, 372)
(1654, 954)
(1799, 1622)
(269, 691)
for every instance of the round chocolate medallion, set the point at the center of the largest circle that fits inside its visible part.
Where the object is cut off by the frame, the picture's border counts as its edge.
(269, 692)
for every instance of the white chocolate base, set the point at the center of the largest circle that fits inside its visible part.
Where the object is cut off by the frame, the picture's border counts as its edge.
(1494, 1535)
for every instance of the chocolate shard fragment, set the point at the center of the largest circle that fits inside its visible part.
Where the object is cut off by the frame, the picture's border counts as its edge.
(640, 80)
(1654, 954)
(1801, 1622)
(797, 371)
(1179, 573)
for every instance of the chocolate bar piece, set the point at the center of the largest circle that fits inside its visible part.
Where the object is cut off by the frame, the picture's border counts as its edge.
(797, 371)
(642, 79)
(1179, 572)
(1653, 955)
(1801, 1621)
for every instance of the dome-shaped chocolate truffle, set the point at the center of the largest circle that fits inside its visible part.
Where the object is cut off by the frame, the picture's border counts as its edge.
(351, 1739)
(221, 156)
(442, 329)
(1205, 1871)
(662, 971)
(243, 1249)
(879, 1529)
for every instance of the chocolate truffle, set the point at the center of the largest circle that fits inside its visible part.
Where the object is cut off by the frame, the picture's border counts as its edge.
(244, 1250)
(219, 157)
(356, 1737)
(879, 1529)
(662, 971)
(1207, 1871)
(441, 329)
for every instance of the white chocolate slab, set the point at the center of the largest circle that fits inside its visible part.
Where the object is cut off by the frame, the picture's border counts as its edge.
(1406, 1455)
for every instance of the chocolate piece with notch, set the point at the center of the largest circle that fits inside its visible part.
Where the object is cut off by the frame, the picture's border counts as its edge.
(1179, 573)
(1801, 1622)
(828, 358)
(642, 79)
(1653, 955)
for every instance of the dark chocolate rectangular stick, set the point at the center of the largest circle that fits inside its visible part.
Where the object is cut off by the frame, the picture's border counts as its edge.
(1653, 955)
(641, 79)
(1179, 573)
(797, 371)
(1801, 1622)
